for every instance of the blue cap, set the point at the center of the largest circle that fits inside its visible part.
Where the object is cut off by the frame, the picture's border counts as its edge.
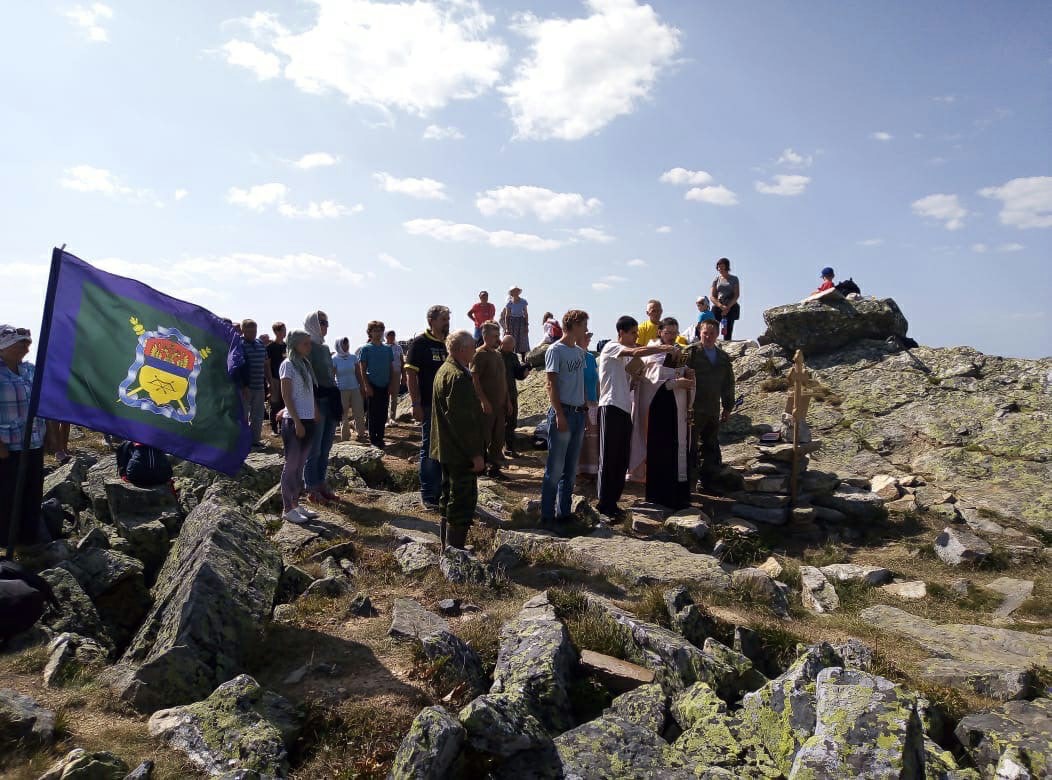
(827, 271)
(705, 316)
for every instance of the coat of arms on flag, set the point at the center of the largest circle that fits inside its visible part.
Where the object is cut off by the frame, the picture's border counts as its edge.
(163, 377)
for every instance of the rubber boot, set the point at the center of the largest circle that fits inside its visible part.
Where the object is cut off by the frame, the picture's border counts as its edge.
(457, 536)
(442, 531)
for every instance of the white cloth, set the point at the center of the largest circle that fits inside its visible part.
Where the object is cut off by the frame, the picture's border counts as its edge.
(302, 399)
(396, 361)
(655, 375)
(614, 386)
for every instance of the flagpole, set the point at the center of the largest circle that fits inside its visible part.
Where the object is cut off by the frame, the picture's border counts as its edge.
(34, 400)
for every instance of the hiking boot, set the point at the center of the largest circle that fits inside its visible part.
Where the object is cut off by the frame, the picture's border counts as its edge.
(494, 472)
(442, 530)
(457, 536)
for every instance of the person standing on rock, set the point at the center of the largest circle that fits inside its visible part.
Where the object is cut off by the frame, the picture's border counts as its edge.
(491, 386)
(713, 401)
(375, 377)
(297, 421)
(515, 370)
(276, 352)
(615, 413)
(397, 372)
(457, 438)
(515, 319)
(346, 365)
(482, 312)
(649, 328)
(257, 381)
(427, 353)
(330, 410)
(564, 367)
(725, 292)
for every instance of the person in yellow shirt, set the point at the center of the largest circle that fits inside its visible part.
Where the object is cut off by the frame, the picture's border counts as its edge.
(651, 326)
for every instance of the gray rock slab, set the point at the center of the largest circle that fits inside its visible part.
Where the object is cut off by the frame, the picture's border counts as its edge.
(853, 572)
(646, 562)
(1019, 730)
(1016, 592)
(23, 721)
(409, 620)
(429, 749)
(853, 502)
(406, 528)
(955, 546)
(414, 557)
(995, 662)
(915, 589)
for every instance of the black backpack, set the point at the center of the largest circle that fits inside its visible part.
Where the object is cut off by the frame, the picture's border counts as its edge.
(847, 287)
(143, 465)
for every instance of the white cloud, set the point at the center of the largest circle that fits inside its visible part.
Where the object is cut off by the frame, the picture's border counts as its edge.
(316, 160)
(88, 178)
(180, 193)
(664, 229)
(446, 230)
(946, 208)
(259, 197)
(439, 133)
(980, 248)
(717, 195)
(636, 263)
(685, 176)
(601, 286)
(783, 184)
(871, 242)
(794, 159)
(945, 99)
(413, 56)
(880, 135)
(581, 74)
(1025, 203)
(1011, 248)
(393, 262)
(90, 18)
(595, 235)
(543, 203)
(614, 279)
(326, 209)
(264, 64)
(426, 189)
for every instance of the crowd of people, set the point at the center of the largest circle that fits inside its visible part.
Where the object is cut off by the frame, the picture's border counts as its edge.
(646, 406)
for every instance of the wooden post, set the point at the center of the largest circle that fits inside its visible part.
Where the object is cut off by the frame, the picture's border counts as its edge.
(796, 405)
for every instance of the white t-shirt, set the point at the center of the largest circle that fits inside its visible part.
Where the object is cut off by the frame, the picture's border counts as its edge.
(614, 389)
(396, 362)
(302, 400)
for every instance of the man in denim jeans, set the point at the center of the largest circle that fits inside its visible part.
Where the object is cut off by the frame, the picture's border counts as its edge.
(564, 368)
(427, 353)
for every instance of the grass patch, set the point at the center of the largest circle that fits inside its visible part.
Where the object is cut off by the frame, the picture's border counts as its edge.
(588, 626)
(824, 394)
(854, 595)
(826, 555)
(483, 636)
(741, 549)
(31, 661)
(650, 606)
(775, 384)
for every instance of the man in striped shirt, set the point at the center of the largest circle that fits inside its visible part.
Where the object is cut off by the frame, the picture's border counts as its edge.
(254, 390)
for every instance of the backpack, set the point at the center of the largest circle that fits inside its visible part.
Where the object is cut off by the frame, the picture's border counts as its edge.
(847, 287)
(143, 465)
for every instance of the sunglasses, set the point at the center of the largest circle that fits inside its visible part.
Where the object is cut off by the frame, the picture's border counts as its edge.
(14, 331)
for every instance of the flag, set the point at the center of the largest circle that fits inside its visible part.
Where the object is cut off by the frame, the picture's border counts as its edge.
(122, 358)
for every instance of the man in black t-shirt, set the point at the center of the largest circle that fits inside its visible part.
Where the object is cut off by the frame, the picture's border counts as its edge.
(276, 351)
(427, 352)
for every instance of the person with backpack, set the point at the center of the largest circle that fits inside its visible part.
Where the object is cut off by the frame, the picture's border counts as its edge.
(143, 465)
(826, 275)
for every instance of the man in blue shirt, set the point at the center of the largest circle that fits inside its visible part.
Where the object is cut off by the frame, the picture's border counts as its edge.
(564, 367)
(256, 381)
(375, 378)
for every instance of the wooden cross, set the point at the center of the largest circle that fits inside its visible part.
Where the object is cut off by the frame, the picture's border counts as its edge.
(796, 405)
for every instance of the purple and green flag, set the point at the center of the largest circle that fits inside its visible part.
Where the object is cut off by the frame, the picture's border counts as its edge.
(122, 358)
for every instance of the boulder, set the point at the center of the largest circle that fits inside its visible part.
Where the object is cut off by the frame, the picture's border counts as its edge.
(94, 486)
(707, 738)
(116, 585)
(429, 749)
(761, 586)
(239, 728)
(853, 572)
(612, 747)
(501, 724)
(1020, 732)
(147, 538)
(537, 661)
(409, 620)
(367, 461)
(994, 662)
(79, 764)
(865, 726)
(63, 484)
(212, 596)
(645, 706)
(458, 662)
(1016, 592)
(414, 557)
(687, 618)
(885, 486)
(823, 326)
(76, 613)
(69, 655)
(853, 502)
(646, 562)
(262, 470)
(23, 722)
(125, 500)
(460, 567)
(955, 546)
(689, 525)
(817, 593)
(916, 589)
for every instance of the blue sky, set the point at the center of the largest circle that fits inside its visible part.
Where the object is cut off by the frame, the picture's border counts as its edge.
(265, 159)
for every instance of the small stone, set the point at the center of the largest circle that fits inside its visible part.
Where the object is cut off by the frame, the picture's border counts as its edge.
(955, 546)
(904, 506)
(79, 764)
(960, 586)
(450, 607)
(689, 525)
(460, 566)
(852, 572)
(284, 613)
(645, 525)
(415, 557)
(772, 567)
(617, 675)
(327, 587)
(70, 654)
(945, 513)
(818, 594)
(885, 486)
(907, 590)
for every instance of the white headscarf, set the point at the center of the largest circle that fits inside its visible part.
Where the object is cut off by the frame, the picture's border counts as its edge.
(343, 347)
(313, 327)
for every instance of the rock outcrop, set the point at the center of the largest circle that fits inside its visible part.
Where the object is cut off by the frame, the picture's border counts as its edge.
(825, 326)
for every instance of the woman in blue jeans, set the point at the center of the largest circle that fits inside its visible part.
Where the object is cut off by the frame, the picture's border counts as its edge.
(314, 471)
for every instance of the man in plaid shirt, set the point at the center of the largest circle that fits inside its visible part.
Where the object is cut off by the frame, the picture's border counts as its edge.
(16, 384)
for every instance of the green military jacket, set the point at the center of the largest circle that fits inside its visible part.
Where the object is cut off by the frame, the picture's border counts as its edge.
(715, 381)
(456, 417)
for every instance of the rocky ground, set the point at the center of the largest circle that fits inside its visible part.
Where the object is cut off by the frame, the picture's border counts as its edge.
(896, 623)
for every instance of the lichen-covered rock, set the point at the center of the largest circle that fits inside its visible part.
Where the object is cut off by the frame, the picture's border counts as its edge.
(76, 614)
(1020, 733)
(429, 749)
(823, 326)
(611, 748)
(645, 562)
(460, 567)
(212, 596)
(994, 662)
(23, 722)
(955, 546)
(816, 592)
(116, 585)
(645, 706)
(79, 764)
(746, 677)
(687, 618)
(126, 500)
(239, 727)
(69, 655)
(458, 661)
(779, 717)
(537, 661)
(707, 737)
(853, 572)
(367, 461)
(501, 724)
(94, 486)
(866, 726)
(147, 538)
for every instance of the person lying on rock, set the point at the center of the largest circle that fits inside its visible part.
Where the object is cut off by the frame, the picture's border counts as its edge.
(457, 438)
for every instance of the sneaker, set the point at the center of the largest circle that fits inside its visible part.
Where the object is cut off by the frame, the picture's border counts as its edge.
(310, 514)
(294, 516)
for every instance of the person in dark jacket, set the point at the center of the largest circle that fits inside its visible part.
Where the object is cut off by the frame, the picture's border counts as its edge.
(517, 370)
(713, 399)
(457, 439)
(24, 597)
